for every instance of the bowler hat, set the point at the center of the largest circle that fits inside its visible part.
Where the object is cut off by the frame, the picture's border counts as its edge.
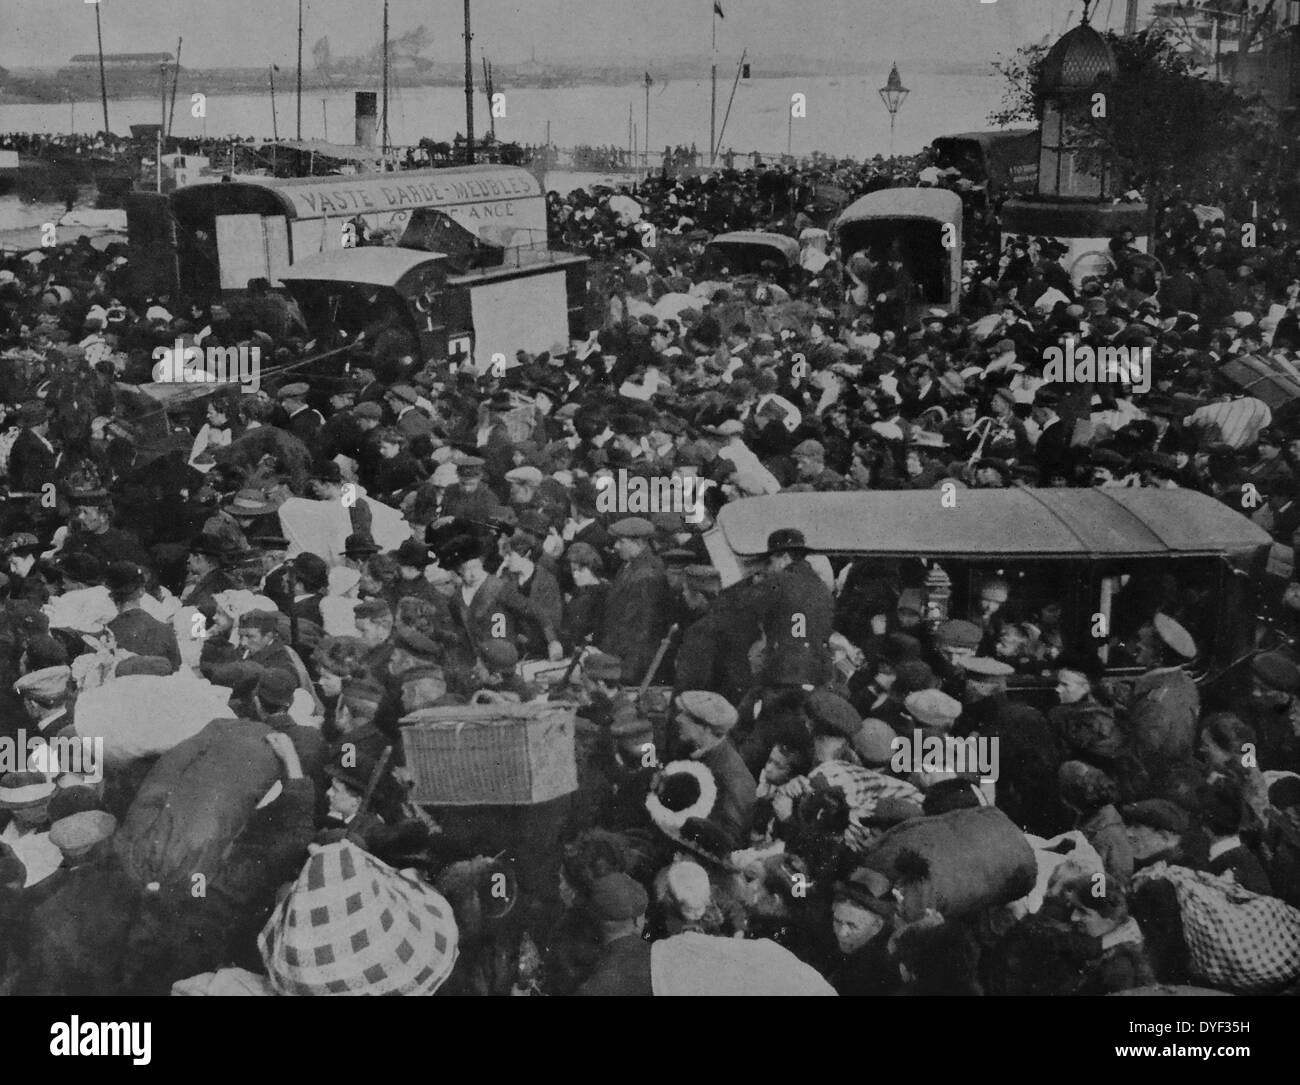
(360, 544)
(785, 540)
(413, 553)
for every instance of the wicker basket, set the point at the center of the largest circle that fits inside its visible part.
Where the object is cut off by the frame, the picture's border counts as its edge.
(491, 755)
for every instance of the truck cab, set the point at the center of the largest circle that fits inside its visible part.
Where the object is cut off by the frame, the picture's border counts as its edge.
(430, 305)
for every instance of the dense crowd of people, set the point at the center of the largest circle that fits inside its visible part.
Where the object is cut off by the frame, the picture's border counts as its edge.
(244, 612)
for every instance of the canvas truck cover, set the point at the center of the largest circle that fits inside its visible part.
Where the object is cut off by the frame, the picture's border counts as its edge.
(503, 204)
(1006, 161)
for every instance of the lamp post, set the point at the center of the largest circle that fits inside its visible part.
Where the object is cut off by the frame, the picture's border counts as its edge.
(892, 94)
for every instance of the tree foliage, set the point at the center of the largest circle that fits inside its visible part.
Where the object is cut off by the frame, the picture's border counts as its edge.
(1164, 126)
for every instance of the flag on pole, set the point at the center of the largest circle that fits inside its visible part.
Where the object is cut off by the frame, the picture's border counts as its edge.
(648, 81)
(717, 10)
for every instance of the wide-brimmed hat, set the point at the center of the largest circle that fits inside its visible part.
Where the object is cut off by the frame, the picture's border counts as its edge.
(251, 503)
(20, 790)
(459, 550)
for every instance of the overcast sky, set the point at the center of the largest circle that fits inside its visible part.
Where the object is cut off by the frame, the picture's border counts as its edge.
(252, 33)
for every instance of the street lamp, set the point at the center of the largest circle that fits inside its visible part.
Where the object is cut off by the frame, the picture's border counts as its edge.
(892, 94)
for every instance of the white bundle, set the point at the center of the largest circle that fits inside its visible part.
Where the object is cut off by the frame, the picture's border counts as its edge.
(143, 715)
(86, 610)
(703, 964)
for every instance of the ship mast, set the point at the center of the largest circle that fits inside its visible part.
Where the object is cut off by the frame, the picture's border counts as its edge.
(469, 91)
(385, 132)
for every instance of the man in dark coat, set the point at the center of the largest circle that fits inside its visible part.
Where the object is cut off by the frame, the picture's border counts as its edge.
(636, 611)
(302, 421)
(704, 722)
(469, 497)
(206, 576)
(539, 585)
(95, 535)
(619, 904)
(796, 612)
(714, 652)
(1053, 450)
(134, 628)
(487, 607)
(409, 419)
(32, 458)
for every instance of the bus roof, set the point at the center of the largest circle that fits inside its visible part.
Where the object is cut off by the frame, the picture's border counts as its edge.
(377, 265)
(1006, 523)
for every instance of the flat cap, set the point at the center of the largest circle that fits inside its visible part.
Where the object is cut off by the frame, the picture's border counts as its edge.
(983, 667)
(275, 687)
(529, 475)
(157, 666)
(47, 686)
(633, 527)
(933, 708)
(293, 391)
(956, 633)
(77, 833)
(873, 741)
(1276, 671)
(1175, 636)
(708, 708)
(833, 711)
(704, 578)
(1157, 814)
(617, 897)
(405, 393)
(468, 465)
(368, 409)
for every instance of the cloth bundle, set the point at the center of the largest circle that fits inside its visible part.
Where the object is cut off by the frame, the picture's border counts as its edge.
(194, 803)
(693, 964)
(352, 925)
(956, 863)
(1236, 939)
(143, 715)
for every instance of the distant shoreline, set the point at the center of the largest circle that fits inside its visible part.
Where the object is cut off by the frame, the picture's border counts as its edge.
(49, 87)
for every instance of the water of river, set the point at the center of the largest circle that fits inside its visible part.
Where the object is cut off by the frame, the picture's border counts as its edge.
(844, 117)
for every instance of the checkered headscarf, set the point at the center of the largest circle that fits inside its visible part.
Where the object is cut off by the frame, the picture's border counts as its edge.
(352, 925)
